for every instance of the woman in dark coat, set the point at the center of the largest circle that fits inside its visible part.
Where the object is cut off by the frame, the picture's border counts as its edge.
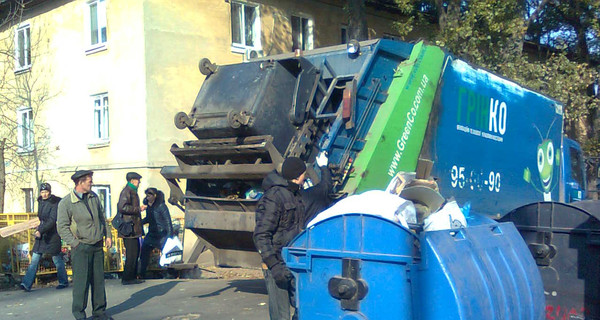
(160, 226)
(47, 240)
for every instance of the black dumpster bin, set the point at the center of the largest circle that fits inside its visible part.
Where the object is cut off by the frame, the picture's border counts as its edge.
(565, 242)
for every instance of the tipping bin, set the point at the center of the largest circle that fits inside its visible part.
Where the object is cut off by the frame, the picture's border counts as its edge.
(358, 267)
(565, 243)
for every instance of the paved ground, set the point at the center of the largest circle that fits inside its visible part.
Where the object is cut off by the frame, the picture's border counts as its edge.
(213, 299)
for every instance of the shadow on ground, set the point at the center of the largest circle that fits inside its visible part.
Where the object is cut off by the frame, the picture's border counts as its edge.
(248, 286)
(142, 296)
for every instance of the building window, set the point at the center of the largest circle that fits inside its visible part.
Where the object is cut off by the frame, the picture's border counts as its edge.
(25, 129)
(302, 33)
(245, 26)
(344, 35)
(100, 102)
(96, 24)
(22, 48)
(28, 193)
(103, 192)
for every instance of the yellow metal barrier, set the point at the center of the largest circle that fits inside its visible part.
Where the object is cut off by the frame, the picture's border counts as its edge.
(15, 255)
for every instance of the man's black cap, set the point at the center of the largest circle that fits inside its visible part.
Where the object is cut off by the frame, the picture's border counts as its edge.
(132, 175)
(81, 173)
(292, 168)
(45, 186)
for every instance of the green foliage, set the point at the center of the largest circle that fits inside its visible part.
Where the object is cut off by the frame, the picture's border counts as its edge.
(492, 34)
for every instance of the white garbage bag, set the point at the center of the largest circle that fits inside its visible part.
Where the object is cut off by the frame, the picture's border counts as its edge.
(375, 202)
(172, 252)
(448, 217)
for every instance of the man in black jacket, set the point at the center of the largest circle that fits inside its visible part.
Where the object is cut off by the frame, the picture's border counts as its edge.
(280, 215)
(47, 240)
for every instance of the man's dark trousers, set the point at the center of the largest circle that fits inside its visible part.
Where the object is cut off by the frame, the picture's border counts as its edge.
(88, 269)
(132, 252)
(280, 300)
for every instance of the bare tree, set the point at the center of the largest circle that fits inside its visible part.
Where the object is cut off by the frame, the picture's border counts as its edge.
(24, 93)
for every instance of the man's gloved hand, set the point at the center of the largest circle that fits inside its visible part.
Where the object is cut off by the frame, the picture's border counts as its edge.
(282, 275)
(322, 159)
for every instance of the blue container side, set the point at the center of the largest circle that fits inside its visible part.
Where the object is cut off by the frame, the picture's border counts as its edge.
(493, 142)
(386, 251)
(480, 272)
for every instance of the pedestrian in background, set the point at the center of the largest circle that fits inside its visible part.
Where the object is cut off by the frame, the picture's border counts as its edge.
(129, 206)
(47, 240)
(82, 225)
(160, 227)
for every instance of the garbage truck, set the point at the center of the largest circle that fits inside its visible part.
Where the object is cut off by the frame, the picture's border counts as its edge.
(376, 107)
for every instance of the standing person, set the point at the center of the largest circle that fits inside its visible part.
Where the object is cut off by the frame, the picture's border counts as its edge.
(82, 225)
(316, 198)
(129, 207)
(279, 218)
(47, 239)
(160, 226)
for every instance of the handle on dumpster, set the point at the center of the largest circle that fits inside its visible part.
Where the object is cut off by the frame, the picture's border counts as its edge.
(296, 258)
(348, 288)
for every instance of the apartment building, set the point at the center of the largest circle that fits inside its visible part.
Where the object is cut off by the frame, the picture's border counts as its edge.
(108, 76)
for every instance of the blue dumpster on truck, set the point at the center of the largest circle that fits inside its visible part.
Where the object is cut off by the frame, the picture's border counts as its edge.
(359, 267)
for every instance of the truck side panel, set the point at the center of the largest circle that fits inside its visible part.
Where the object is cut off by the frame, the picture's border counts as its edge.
(494, 142)
(394, 141)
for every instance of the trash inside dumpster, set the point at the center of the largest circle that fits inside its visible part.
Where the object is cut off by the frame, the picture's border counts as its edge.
(565, 243)
(362, 266)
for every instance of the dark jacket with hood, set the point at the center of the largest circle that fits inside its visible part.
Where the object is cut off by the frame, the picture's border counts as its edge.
(316, 198)
(159, 219)
(50, 240)
(279, 217)
(129, 206)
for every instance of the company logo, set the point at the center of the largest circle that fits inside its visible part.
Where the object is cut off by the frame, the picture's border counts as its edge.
(481, 115)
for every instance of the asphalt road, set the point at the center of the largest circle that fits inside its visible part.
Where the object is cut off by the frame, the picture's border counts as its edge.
(213, 299)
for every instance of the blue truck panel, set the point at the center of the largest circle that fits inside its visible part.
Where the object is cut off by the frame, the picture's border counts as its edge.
(494, 143)
(373, 71)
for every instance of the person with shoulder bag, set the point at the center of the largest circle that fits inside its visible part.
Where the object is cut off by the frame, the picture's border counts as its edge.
(131, 212)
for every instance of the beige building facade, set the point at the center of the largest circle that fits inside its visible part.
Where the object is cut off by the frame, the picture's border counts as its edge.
(113, 73)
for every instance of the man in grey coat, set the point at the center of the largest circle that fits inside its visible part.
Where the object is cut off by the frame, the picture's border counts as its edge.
(82, 225)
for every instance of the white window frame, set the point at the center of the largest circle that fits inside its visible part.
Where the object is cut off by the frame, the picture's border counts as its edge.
(311, 32)
(25, 129)
(101, 117)
(242, 47)
(101, 21)
(106, 203)
(26, 45)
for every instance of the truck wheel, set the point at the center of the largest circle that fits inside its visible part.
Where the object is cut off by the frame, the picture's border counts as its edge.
(206, 67)
(182, 120)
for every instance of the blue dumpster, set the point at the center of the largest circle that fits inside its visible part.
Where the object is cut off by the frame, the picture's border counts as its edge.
(357, 266)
